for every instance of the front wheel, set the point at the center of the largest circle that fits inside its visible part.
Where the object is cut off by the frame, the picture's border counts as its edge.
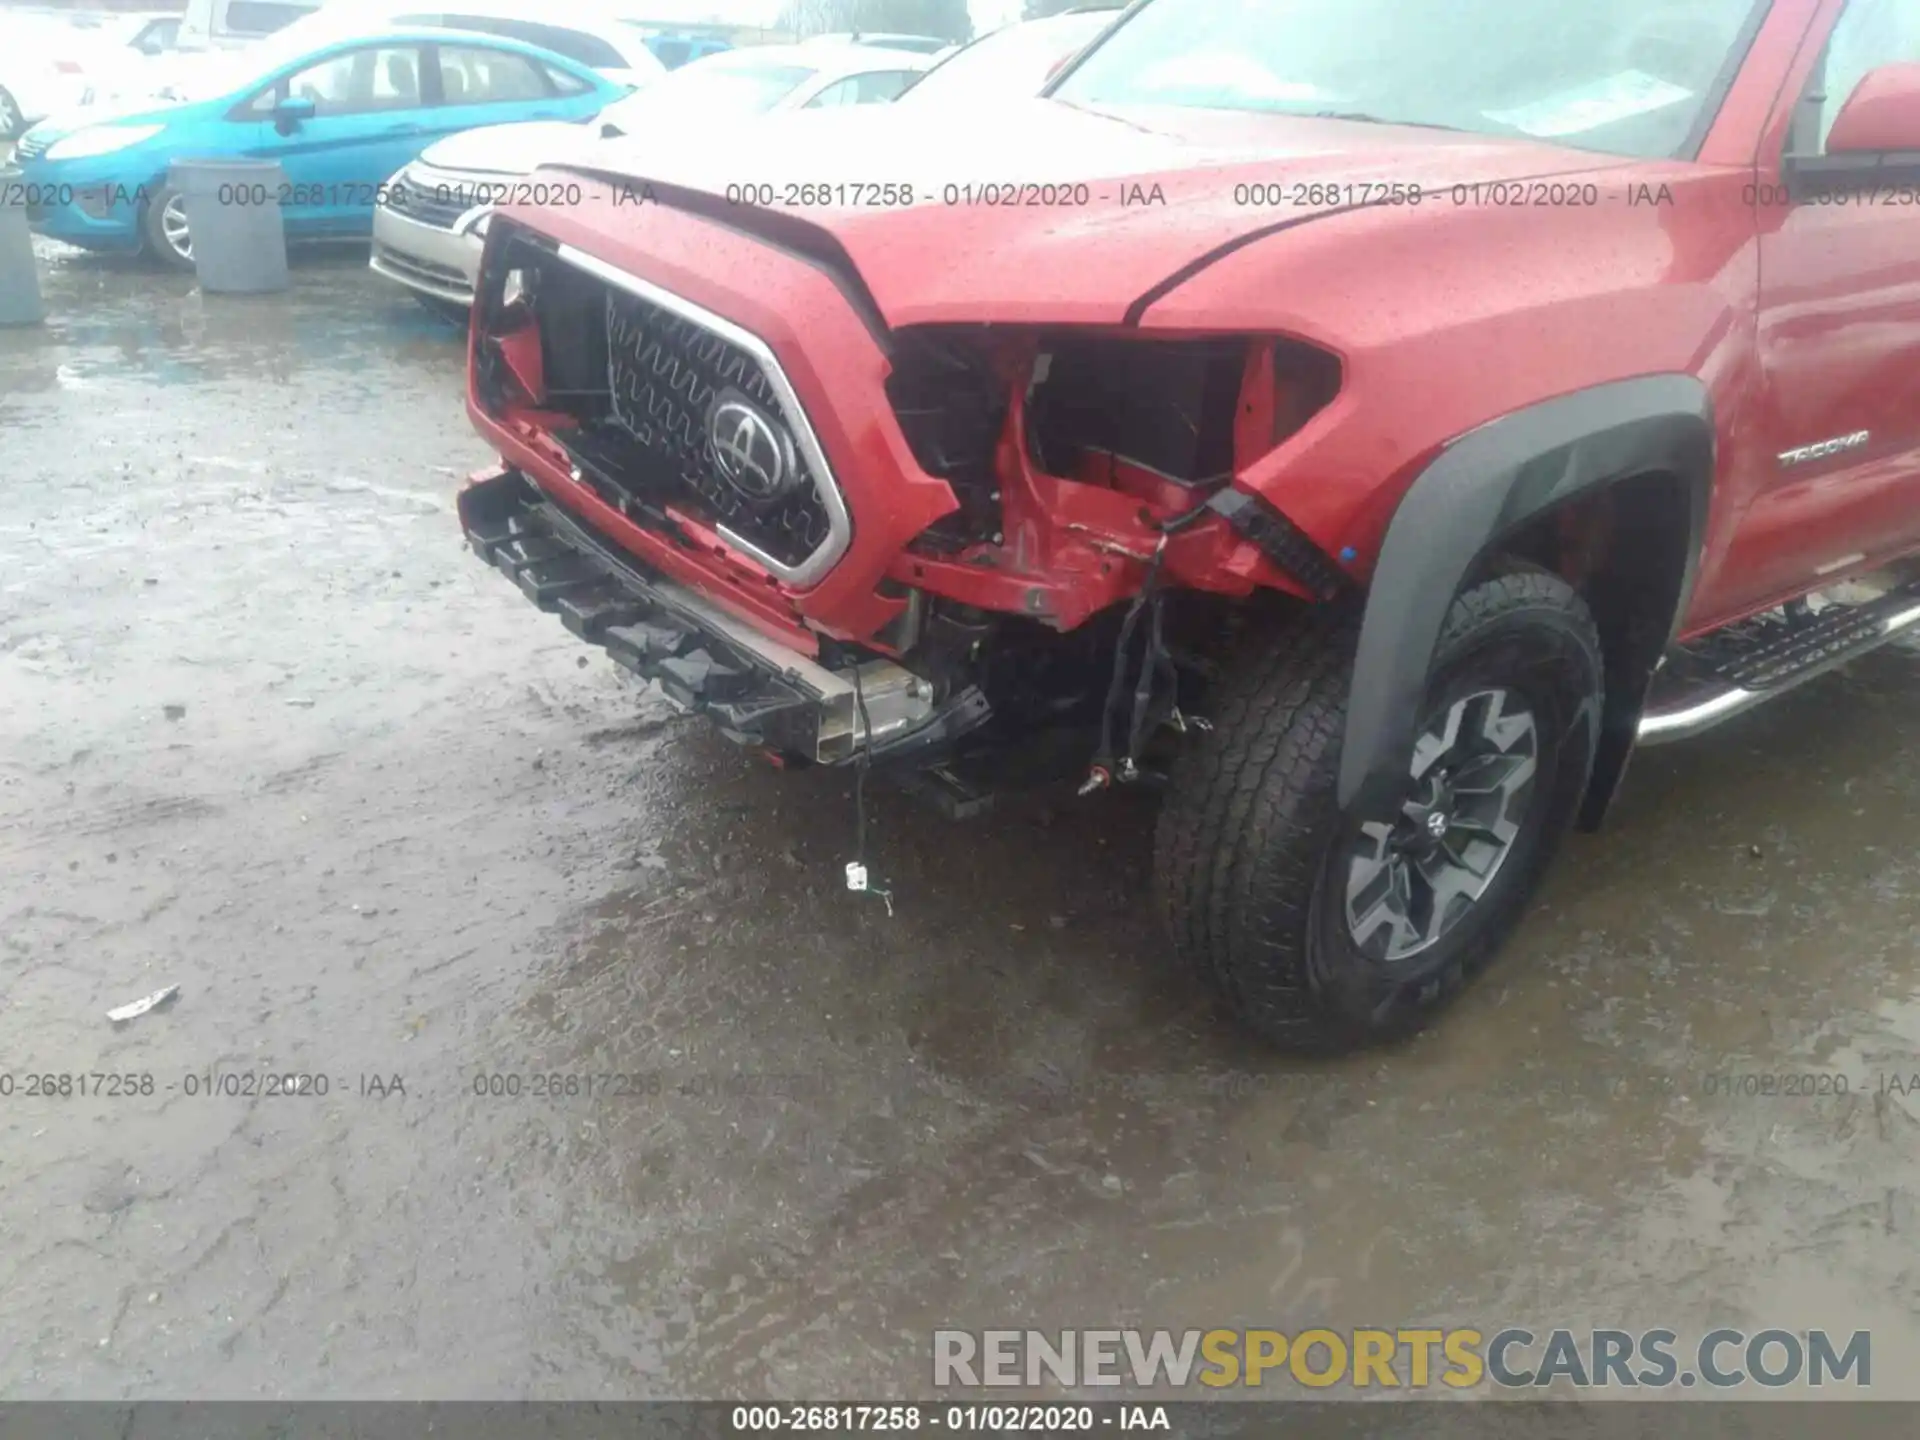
(164, 228)
(1328, 932)
(13, 123)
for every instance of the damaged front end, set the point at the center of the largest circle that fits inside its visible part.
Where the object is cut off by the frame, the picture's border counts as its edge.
(1069, 451)
(759, 691)
(899, 540)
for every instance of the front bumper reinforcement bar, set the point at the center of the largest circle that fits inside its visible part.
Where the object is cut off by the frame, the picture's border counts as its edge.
(759, 691)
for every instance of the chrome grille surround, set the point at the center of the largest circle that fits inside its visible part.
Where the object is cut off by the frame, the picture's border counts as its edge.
(825, 490)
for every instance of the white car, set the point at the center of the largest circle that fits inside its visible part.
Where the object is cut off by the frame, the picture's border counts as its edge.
(1011, 63)
(44, 65)
(429, 233)
(136, 48)
(229, 24)
(146, 32)
(600, 35)
(920, 44)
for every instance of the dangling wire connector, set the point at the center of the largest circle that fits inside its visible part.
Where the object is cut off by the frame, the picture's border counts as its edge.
(1098, 778)
(1107, 767)
(858, 880)
(1157, 671)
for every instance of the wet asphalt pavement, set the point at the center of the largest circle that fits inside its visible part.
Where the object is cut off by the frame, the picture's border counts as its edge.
(269, 733)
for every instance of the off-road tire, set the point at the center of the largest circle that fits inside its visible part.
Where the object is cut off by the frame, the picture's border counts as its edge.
(1250, 838)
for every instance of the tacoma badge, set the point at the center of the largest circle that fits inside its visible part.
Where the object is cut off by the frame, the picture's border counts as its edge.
(1824, 448)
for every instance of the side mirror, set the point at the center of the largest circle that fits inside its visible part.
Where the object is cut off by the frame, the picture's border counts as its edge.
(1881, 116)
(1874, 141)
(288, 114)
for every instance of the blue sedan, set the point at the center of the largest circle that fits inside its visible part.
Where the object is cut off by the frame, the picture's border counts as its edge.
(339, 115)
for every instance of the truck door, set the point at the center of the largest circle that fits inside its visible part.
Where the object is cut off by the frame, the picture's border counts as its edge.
(1838, 330)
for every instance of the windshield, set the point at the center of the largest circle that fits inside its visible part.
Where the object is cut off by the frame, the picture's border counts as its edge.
(729, 84)
(1631, 77)
(1009, 64)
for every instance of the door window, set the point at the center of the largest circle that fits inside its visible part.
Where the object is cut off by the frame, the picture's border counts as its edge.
(841, 92)
(1871, 33)
(383, 77)
(157, 36)
(871, 88)
(471, 75)
(564, 82)
(879, 86)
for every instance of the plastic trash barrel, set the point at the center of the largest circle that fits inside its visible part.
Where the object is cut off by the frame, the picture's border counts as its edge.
(19, 279)
(233, 223)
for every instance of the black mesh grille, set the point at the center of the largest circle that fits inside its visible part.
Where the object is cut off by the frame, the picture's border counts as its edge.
(663, 371)
(639, 381)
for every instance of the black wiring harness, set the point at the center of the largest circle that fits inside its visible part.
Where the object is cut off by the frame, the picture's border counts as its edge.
(1156, 668)
(1145, 616)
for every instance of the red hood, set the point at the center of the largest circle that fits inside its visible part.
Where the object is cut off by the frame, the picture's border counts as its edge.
(1161, 192)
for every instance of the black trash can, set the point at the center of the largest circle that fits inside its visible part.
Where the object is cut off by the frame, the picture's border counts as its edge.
(19, 277)
(233, 223)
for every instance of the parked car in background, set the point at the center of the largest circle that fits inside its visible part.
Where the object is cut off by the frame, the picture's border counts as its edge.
(429, 232)
(147, 32)
(1011, 63)
(134, 47)
(44, 60)
(674, 49)
(918, 44)
(594, 34)
(339, 117)
(224, 24)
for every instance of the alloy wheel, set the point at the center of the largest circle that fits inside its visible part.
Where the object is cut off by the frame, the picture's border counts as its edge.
(173, 225)
(10, 116)
(1411, 879)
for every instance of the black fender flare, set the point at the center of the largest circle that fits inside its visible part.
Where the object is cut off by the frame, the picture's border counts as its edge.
(1479, 489)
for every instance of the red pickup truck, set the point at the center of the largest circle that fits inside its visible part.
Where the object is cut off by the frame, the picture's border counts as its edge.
(1369, 420)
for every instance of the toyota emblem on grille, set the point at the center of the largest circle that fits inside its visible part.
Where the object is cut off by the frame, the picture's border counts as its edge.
(752, 451)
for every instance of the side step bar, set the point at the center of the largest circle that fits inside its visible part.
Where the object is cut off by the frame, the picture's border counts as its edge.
(1732, 670)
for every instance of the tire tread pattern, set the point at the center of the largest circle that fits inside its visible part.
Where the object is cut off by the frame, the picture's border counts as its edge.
(1251, 810)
